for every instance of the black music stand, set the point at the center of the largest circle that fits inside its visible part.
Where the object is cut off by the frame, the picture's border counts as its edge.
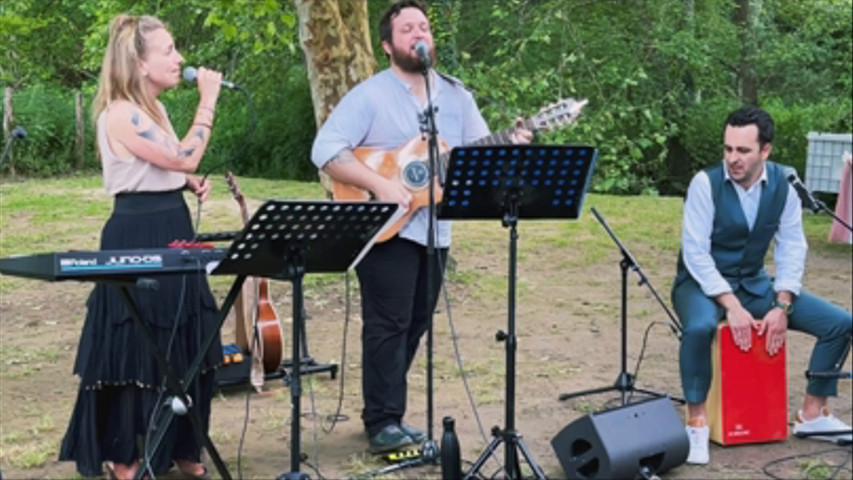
(285, 240)
(512, 182)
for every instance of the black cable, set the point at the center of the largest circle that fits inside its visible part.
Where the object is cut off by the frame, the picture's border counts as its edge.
(337, 417)
(158, 408)
(642, 354)
(312, 467)
(243, 435)
(255, 341)
(460, 362)
(838, 468)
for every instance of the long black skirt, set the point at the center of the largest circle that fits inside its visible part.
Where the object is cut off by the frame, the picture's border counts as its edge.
(121, 384)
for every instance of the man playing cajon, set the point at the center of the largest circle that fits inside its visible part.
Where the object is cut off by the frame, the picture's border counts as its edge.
(732, 212)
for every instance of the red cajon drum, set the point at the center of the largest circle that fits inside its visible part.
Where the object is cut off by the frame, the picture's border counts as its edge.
(748, 399)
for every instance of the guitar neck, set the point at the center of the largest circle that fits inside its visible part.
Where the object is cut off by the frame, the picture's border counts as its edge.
(503, 137)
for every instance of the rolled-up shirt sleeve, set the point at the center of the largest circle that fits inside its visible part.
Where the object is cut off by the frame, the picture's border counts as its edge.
(791, 247)
(346, 127)
(696, 237)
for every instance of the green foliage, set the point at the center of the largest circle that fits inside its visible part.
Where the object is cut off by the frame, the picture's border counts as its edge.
(660, 75)
(48, 114)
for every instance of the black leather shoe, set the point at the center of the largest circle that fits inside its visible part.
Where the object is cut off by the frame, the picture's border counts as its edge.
(389, 439)
(417, 435)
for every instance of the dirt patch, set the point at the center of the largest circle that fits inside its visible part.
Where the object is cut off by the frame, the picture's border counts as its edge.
(568, 325)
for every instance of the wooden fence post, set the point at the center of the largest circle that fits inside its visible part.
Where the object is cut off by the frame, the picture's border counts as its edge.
(8, 119)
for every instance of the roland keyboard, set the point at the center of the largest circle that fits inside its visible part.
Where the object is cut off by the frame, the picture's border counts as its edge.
(112, 264)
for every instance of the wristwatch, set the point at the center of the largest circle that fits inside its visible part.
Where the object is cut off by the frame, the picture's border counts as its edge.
(785, 306)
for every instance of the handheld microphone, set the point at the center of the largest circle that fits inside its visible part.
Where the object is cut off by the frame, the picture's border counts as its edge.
(809, 201)
(422, 50)
(191, 75)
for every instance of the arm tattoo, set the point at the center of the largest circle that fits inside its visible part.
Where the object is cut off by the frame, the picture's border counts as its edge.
(344, 156)
(134, 118)
(148, 134)
(199, 133)
(186, 153)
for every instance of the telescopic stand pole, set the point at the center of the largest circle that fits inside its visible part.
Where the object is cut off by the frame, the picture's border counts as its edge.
(297, 273)
(819, 205)
(625, 382)
(429, 451)
(509, 435)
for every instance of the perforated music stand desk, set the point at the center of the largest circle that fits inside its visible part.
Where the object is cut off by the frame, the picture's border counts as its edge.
(285, 240)
(508, 183)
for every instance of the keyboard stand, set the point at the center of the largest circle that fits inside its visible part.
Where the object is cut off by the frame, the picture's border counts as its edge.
(177, 388)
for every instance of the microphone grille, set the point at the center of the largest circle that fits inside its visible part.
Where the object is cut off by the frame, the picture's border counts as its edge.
(190, 74)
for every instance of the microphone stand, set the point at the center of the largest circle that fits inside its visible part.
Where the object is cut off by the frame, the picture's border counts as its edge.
(429, 451)
(626, 382)
(835, 373)
(818, 205)
(813, 203)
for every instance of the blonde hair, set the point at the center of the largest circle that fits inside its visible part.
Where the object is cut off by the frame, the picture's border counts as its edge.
(120, 79)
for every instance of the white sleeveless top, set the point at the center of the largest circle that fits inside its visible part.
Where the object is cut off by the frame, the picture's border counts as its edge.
(124, 175)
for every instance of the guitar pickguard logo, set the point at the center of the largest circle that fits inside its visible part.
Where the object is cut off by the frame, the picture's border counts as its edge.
(416, 175)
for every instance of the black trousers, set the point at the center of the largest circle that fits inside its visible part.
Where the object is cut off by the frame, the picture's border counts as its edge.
(395, 312)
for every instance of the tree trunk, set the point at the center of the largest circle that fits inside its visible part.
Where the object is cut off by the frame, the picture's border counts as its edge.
(8, 119)
(744, 17)
(80, 123)
(335, 39)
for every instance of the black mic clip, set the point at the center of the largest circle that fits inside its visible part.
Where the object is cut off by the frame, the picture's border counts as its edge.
(806, 196)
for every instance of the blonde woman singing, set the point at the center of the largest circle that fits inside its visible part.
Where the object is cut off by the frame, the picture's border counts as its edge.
(146, 167)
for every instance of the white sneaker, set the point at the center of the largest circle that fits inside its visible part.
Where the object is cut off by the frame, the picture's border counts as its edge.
(698, 445)
(826, 422)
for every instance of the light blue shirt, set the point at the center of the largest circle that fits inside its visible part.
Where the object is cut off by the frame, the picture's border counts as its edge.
(382, 112)
(791, 247)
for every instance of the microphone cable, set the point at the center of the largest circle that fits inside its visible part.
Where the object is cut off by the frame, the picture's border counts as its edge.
(337, 416)
(461, 363)
(159, 405)
(250, 130)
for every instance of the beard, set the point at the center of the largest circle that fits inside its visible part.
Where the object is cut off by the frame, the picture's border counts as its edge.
(408, 60)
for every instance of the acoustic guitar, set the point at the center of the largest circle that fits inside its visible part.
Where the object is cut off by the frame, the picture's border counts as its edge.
(269, 347)
(409, 164)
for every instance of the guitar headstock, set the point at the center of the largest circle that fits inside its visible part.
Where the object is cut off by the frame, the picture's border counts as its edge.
(233, 187)
(563, 112)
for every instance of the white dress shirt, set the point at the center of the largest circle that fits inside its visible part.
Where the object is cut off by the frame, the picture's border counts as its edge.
(791, 247)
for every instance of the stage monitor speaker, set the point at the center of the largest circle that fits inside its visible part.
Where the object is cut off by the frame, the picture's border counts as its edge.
(635, 441)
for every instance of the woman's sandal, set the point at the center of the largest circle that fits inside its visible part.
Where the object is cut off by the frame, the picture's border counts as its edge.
(190, 469)
(111, 474)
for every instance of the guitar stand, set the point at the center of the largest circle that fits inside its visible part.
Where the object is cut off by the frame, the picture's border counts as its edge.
(625, 382)
(285, 240)
(307, 363)
(512, 182)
